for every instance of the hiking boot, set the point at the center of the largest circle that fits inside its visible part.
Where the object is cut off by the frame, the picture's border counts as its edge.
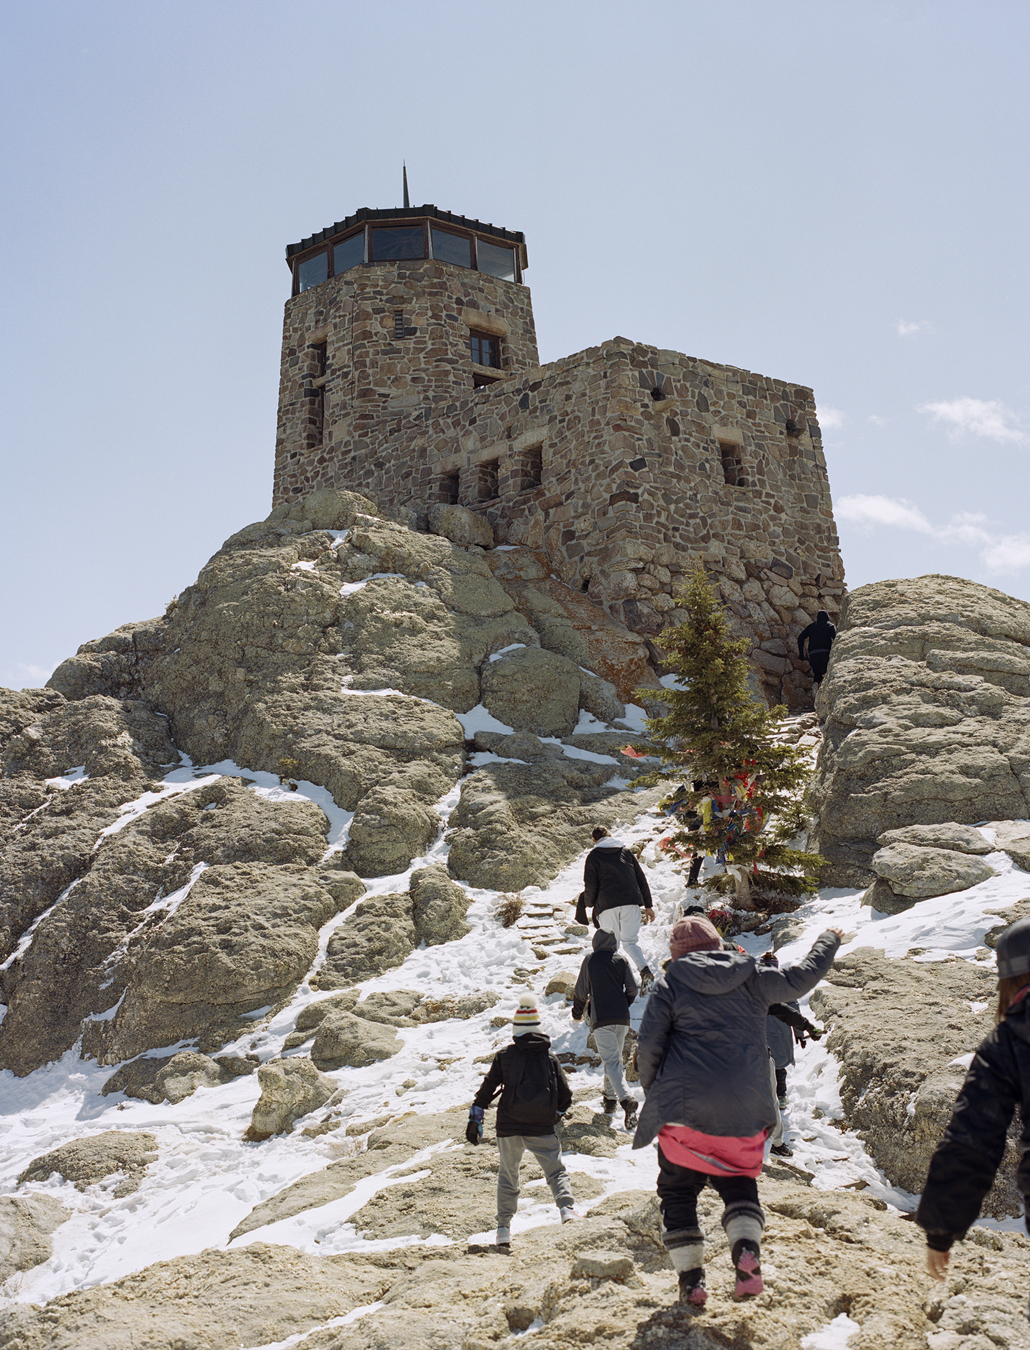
(630, 1108)
(608, 1105)
(781, 1102)
(503, 1237)
(749, 1273)
(646, 980)
(692, 1289)
(568, 1214)
(782, 1150)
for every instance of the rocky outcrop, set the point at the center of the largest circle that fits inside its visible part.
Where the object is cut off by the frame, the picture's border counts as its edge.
(926, 711)
(290, 1088)
(378, 936)
(909, 872)
(438, 906)
(533, 690)
(900, 1030)
(85, 1161)
(177, 1077)
(824, 1254)
(342, 1039)
(26, 1225)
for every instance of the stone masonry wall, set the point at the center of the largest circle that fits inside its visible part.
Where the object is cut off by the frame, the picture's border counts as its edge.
(620, 463)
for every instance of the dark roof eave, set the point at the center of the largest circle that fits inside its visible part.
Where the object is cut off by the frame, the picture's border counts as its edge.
(408, 213)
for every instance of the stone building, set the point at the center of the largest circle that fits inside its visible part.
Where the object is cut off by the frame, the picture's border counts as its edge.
(410, 372)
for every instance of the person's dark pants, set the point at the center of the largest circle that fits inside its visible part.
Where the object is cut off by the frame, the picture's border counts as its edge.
(818, 662)
(781, 1081)
(695, 869)
(678, 1189)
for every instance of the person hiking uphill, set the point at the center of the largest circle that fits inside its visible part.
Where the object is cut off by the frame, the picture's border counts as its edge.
(820, 637)
(785, 1024)
(604, 990)
(705, 1069)
(535, 1094)
(615, 888)
(998, 1081)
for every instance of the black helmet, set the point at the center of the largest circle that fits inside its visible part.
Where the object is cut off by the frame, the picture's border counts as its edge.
(1014, 950)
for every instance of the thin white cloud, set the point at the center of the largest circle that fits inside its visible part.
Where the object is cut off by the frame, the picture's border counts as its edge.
(976, 417)
(25, 675)
(906, 328)
(998, 552)
(877, 421)
(830, 419)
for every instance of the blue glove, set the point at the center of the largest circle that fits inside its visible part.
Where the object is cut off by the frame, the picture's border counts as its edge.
(474, 1129)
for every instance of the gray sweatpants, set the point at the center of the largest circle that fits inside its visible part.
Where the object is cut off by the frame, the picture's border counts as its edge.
(609, 1042)
(546, 1148)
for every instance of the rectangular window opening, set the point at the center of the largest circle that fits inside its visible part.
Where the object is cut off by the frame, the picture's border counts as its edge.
(447, 489)
(732, 469)
(531, 469)
(486, 486)
(485, 349)
(398, 323)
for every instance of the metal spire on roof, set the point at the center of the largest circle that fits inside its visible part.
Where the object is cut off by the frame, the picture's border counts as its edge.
(407, 203)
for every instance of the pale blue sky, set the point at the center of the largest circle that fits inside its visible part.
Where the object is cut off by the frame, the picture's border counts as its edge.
(832, 193)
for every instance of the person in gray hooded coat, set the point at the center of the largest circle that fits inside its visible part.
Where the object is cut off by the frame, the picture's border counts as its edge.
(704, 1066)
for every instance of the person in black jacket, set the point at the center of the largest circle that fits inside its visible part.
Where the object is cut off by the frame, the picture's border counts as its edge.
(964, 1162)
(604, 990)
(820, 637)
(615, 887)
(535, 1094)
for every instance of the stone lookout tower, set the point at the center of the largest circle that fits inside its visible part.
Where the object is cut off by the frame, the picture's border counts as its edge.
(410, 372)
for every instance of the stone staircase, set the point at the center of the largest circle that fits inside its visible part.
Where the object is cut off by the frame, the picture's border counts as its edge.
(551, 929)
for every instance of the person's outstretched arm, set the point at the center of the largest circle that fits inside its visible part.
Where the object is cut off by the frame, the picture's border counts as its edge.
(799, 977)
(590, 881)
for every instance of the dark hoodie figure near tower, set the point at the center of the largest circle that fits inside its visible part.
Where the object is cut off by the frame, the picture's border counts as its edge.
(819, 636)
(964, 1163)
(604, 990)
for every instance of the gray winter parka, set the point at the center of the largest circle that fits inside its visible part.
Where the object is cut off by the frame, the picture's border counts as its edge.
(702, 1052)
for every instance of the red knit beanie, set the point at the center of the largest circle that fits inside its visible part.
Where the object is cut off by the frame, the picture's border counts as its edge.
(693, 935)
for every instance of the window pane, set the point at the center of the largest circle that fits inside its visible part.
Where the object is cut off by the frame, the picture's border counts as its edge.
(403, 241)
(486, 350)
(499, 262)
(452, 248)
(349, 253)
(313, 270)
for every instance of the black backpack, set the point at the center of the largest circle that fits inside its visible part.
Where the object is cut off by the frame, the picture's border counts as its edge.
(530, 1095)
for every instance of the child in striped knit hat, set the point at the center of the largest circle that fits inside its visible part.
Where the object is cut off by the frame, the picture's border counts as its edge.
(534, 1096)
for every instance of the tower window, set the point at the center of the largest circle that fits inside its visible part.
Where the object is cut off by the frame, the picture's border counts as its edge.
(732, 469)
(312, 271)
(398, 323)
(452, 248)
(349, 253)
(447, 489)
(495, 261)
(398, 241)
(486, 484)
(531, 469)
(486, 349)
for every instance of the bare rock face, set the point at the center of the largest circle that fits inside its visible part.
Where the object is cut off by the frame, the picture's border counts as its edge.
(959, 838)
(378, 936)
(460, 525)
(533, 690)
(290, 1088)
(439, 906)
(518, 825)
(915, 873)
(1013, 838)
(26, 1223)
(84, 1161)
(898, 1028)
(177, 1077)
(927, 716)
(345, 1039)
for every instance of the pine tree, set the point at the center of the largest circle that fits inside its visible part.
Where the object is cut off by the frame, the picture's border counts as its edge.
(749, 783)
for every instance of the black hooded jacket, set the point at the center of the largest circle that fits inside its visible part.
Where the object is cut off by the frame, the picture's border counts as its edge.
(820, 635)
(606, 986)
(964, 1162)
(612, 877)
(528, 1070)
